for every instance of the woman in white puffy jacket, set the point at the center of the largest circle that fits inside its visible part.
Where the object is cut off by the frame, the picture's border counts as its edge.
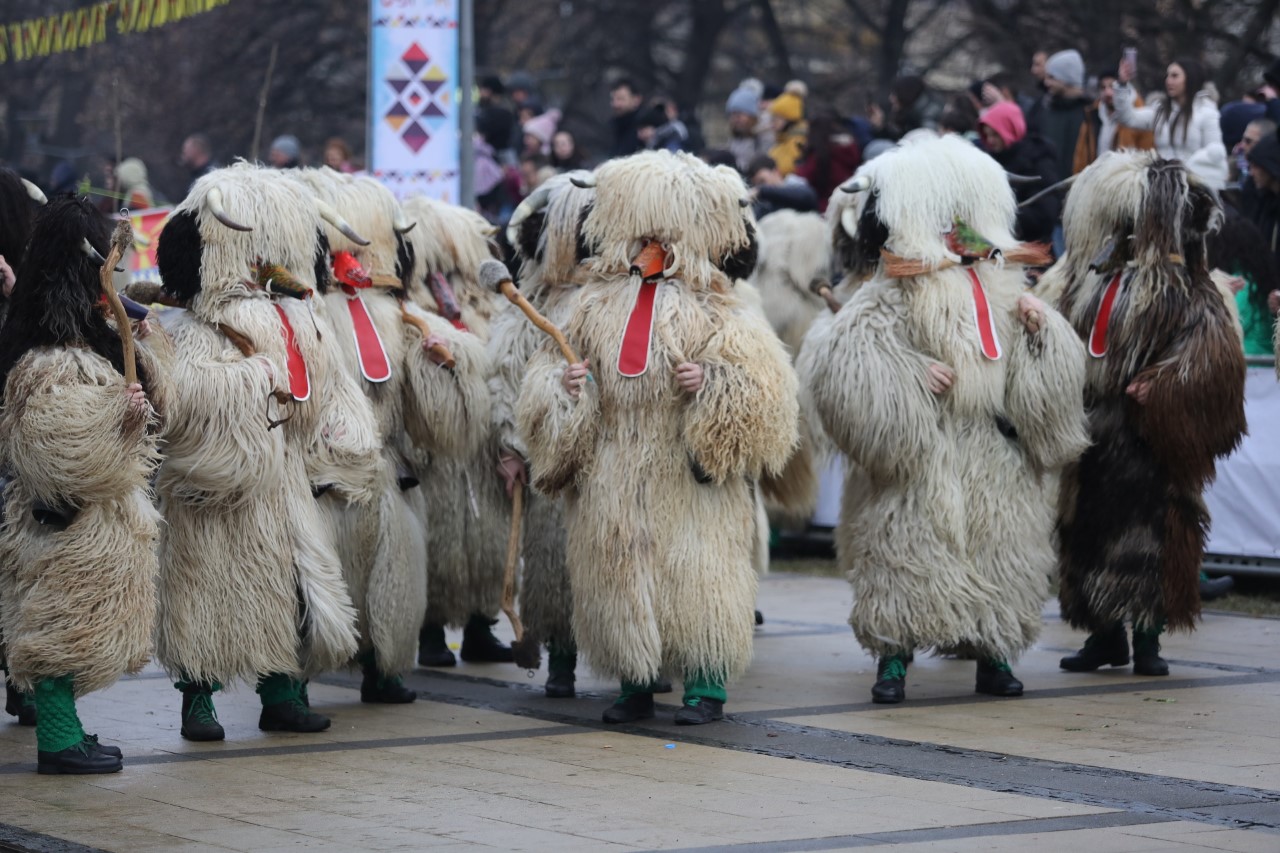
(1185, 121)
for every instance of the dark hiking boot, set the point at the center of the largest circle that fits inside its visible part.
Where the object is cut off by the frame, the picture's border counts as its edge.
(20, 704)
(199, 718)
(1107, 648)
(433, 650)
(1146, 654)
(378, 689)
(698, 710)
(77, 760)
(105, 749)
(891, 681)
(560, 685)
(996, 678)
(630, 708)
(291, 716)
(479, 645)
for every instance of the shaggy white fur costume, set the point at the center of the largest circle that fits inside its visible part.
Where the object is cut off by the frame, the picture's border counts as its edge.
(549, 279)
(660, 563)
(467, 511)
(250, 581)
(82, 601)
(383, 544)
(954, 542)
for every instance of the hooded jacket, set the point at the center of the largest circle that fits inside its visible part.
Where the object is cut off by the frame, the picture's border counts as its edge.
(1201, 149)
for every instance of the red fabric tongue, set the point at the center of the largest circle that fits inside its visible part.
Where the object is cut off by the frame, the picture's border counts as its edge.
(348, 272)
(633, 359)
(374, 364)
(299, 378)
(1098, 337)
(987, 339)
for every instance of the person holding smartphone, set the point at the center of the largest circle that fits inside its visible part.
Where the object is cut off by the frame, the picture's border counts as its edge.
(1185, 121)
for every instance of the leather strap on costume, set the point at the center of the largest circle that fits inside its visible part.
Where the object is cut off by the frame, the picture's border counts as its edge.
(987, 340)
(1098, 337)
(372, 353)
(299, 377)
(637, 337)
(446, 300)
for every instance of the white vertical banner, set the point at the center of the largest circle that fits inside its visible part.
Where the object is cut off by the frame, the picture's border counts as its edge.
(413, 84)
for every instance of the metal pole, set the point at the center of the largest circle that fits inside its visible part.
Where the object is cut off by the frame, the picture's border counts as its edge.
(466, 106)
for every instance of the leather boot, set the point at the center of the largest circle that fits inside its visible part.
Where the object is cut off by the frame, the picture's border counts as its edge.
(199, 718)
(1102, 648)
(995, 678)
(561, 666)
(105, 749)
(379, 689)
(891, 680)
(629, 708)
(19, 704)
(479, 645)
(283, 708)
(1146, 653)
(697, 710)
(77, 760)
(433, 650)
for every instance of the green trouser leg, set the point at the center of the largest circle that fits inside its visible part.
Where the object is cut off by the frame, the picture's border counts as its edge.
(562, 657)
(700, 685)
(58, 726)
(278, 687)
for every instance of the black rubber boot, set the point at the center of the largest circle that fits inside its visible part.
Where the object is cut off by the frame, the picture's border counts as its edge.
(995, 678)
(433, 650)
(698, 710)
(78, 760)
(379, 689)
(891, 680)
(479, 645)
(20, 704)
(283, 708)
(199, 718)
(1146, 653)
(1102, 648)
(561, 666)
(106, 749)
(629, 708)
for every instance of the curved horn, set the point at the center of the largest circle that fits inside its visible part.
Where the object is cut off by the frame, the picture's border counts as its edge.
(587, 183)
(401, 224)
(1052, 188)
(537, 200)
(849, 222)
(34, 191)
(1021, 179)
(859, 184)
(328, 214)
(91, 253)
(213, 201)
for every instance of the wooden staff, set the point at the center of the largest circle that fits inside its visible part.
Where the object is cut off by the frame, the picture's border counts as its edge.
(121, 239)
(439, 350)
(493, 276)
(248, 350)
(526, 652)
(262, 103)
(823, 288)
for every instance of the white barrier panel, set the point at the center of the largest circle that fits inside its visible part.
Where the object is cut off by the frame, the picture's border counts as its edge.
(1245, 499)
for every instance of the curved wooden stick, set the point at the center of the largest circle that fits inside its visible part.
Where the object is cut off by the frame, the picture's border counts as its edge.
(823, 289)
(440, 350)
(121, 239)
(517, 299)
(513, 559)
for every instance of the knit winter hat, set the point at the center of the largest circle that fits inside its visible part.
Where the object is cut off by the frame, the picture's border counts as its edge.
(287, 145)
(790, 104)
(1067, 67)
(743, 100)
(131, 173)
(1266, 153)
(543, 127)
(1006, 119)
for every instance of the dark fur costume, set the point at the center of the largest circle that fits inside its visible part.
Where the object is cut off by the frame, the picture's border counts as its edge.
(17, 210)
(56, 299)
(1133, 522)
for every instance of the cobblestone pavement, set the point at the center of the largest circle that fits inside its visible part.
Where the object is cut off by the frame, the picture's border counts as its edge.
(1101, 762)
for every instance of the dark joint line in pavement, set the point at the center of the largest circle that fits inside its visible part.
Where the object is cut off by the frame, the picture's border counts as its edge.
(1104, 820)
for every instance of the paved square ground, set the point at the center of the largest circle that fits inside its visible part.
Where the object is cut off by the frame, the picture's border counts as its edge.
(1099, 762)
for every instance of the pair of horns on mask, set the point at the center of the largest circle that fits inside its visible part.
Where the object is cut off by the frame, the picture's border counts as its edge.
(862, 183)
(213, 201)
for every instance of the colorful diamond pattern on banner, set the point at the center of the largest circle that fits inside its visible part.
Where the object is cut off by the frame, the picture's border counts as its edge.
(421, 91)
